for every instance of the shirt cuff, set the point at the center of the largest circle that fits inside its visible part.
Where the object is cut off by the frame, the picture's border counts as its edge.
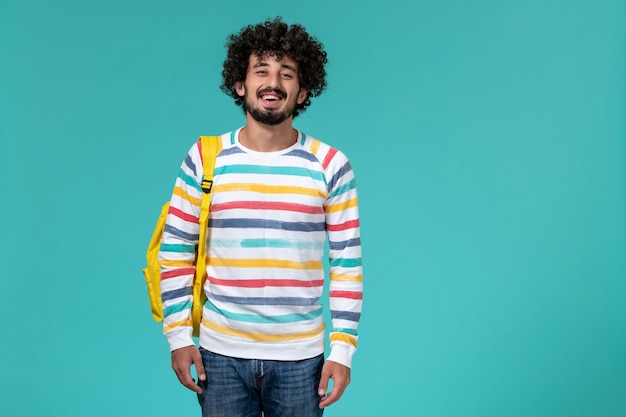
(342, 354)
(180, 339)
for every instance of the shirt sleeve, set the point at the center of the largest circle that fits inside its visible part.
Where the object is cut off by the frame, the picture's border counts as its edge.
(346, 275)
(178, 249)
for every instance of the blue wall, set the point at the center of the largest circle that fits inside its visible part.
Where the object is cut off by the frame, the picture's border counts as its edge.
(489, 140)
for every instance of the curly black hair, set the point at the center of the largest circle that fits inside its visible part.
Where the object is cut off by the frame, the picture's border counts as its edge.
(275, 38)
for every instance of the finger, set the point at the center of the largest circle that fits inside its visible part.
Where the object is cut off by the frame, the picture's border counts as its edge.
(191, 384)
(323, 386)
(341, 378)
(184, 376)
(197, 362)
(181, 361)
(339, 386)
(332, 397)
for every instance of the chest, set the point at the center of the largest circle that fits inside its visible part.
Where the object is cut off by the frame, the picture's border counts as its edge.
(251, 187)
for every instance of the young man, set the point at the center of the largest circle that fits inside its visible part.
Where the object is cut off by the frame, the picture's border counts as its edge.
(277, 193)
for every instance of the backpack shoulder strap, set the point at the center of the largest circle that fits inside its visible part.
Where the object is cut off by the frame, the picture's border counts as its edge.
(211, 146)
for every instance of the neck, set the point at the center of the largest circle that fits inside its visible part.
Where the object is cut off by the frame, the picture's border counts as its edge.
(264, 138)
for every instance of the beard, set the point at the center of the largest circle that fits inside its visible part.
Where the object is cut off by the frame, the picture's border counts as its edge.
(268, 117)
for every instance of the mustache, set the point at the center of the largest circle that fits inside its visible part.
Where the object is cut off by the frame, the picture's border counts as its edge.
(275, 91)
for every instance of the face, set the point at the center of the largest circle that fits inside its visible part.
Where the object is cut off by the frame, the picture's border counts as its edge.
(271, 90)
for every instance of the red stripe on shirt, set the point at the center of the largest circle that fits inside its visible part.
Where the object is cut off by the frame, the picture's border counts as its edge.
(182, 215)
(329, 157)
(343, 226)
(268, 205)
(260, 283)
(354, 295)
(179, 272)
(200, 151)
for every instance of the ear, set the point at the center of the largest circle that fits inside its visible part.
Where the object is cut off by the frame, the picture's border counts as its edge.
(302, 95)
(240, 88)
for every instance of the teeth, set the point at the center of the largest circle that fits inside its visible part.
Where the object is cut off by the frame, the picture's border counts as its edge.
(270, 97)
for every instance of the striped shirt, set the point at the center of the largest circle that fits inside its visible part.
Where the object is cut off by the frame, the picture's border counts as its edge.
(270, 216)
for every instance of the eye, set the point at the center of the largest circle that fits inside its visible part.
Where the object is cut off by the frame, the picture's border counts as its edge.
(286, 75)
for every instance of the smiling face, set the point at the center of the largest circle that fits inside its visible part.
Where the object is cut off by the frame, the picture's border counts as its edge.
(271, 89)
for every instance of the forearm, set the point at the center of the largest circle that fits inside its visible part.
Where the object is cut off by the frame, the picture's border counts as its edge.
(177, 255)
(346, 274)
(346, 294)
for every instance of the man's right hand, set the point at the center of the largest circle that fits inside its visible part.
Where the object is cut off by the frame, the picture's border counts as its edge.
(182, 359)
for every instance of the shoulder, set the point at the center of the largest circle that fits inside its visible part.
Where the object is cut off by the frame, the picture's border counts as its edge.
(225, 143)
(328, 156)
(224, 140)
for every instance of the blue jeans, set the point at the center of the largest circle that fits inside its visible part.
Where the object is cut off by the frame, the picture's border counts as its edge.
(253, 387)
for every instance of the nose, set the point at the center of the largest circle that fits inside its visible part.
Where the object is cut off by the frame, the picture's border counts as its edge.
(273, 79)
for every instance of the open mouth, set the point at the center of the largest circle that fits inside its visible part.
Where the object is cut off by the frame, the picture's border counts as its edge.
(272, 97)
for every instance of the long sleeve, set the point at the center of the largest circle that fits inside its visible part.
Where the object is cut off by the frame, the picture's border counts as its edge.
(177, 252)
(346, 279)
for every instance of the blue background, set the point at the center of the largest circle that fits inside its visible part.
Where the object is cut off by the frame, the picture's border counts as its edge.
(489, 141)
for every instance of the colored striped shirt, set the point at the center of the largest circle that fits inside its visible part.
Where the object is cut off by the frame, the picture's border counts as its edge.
(270, 218)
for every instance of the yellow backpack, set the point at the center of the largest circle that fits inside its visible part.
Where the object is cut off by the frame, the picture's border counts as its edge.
(211, 145)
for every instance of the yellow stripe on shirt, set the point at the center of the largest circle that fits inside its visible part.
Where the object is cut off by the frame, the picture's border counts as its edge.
(183, 194)
(184, 322)
(343, 337)
(265, 263)
(346, 277)
(315, 146)
(353, 202)
(175, 263)
(263, 337)
(269, 189)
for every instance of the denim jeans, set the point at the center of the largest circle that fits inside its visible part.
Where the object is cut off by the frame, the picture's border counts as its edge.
(254, 388)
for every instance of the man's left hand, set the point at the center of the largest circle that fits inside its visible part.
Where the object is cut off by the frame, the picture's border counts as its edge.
(340, 375)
